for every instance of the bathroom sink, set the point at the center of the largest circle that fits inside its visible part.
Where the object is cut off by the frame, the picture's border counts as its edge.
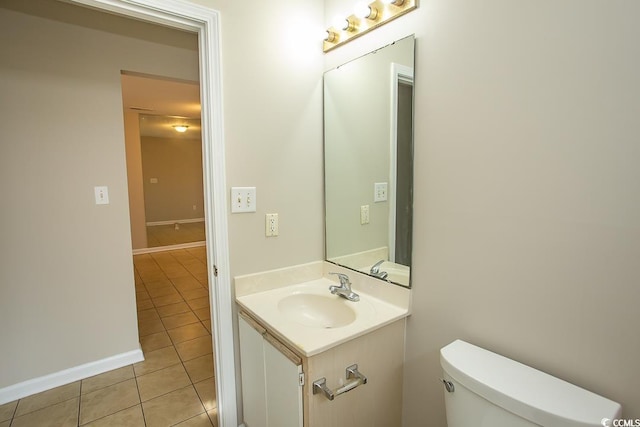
(317, 311)
(307, 317)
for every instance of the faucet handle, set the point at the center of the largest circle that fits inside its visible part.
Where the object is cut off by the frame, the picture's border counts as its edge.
(376, 267)
(344, 279)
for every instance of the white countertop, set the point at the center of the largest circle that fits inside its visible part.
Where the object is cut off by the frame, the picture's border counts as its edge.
(371, 313)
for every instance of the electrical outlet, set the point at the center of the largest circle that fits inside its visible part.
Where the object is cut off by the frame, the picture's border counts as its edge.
(243, 199)
(380, 192)
(364, 214)
(271, 225)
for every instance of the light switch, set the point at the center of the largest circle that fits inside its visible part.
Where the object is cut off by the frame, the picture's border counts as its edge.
(153, 180)
(102, 195)
(243, 199)
(380, 192)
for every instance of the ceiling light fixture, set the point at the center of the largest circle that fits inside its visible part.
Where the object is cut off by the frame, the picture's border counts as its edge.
(181, 128)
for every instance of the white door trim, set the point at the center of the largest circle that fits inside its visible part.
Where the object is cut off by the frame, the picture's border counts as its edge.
(205, 22)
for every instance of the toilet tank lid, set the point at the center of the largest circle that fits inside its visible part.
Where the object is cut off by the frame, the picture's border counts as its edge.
(524, 391)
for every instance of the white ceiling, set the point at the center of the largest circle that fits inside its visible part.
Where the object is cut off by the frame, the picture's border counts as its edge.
(162, 103)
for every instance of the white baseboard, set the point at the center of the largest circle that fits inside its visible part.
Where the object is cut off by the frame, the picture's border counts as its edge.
(168, 248)
(46, 382)
(173, 221)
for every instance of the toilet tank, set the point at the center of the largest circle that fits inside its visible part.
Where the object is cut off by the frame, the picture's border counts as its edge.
(491, 390)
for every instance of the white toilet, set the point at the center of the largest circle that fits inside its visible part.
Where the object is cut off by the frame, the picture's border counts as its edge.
(485, 389)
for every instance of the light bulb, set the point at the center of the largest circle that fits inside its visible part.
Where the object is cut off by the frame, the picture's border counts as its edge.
(362, 10)
(181, 128)
(330, 36)
(340, 23)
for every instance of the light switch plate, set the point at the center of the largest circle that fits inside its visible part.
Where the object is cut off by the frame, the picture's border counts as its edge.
(380, 191)
(102, 195)
(243, 199)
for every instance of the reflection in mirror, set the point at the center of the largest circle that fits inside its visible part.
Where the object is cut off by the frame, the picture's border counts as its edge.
(368, 130)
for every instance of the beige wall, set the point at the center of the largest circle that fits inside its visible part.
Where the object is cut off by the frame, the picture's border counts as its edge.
(137, 215)
(177, 165)
(527, 209)
(272, 71)
(66, 274)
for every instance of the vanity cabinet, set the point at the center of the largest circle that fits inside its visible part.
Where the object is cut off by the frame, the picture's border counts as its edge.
(271, 386)
(271, 379)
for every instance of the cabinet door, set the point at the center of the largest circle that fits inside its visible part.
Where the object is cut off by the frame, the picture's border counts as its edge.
(284, 392)
(254, 397)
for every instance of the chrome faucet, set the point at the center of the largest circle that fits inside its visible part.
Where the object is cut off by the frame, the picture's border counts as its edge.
(344, 290)
(375, 270)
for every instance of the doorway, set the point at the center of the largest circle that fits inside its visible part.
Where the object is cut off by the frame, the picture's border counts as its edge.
(204, 22)
(164, 162)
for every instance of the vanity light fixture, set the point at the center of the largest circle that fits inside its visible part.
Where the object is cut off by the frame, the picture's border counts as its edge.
(181, 128)
(365, 18)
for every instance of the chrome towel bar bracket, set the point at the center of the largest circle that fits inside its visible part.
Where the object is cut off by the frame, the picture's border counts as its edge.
(352, 373)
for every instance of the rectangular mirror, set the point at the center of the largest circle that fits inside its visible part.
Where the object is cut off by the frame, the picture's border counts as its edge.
(368, 151)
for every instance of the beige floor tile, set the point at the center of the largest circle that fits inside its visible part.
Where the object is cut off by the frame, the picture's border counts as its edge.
(5, 423)
(48, 398)
(108, 400)
(155, 342)
(142, 295)
(207, 325)
(144, 305)
(152, 275)
(194, 348)
(213, 416)
(166, 300)
(200, 368)
(174, 273)
(162, 382)
(7, 410)
(203, 313)
(206, 389)
(186, 283)
(151, 326)
(130, 417)
(202, 278)
(201, 420)
(188, 332)
(194, 293)
(199, 303)
(172, 408)
(162, 291)
(156, 360)
(148, 314)
(61, 414)
(108, 378)
(162, 283)
(171, 309)
(177, 320)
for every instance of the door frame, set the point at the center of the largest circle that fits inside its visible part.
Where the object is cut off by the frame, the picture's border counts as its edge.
(206, 23)
(399, 73)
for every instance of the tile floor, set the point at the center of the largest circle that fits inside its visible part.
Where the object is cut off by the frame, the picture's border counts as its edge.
(174, 386)
(166, 235)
